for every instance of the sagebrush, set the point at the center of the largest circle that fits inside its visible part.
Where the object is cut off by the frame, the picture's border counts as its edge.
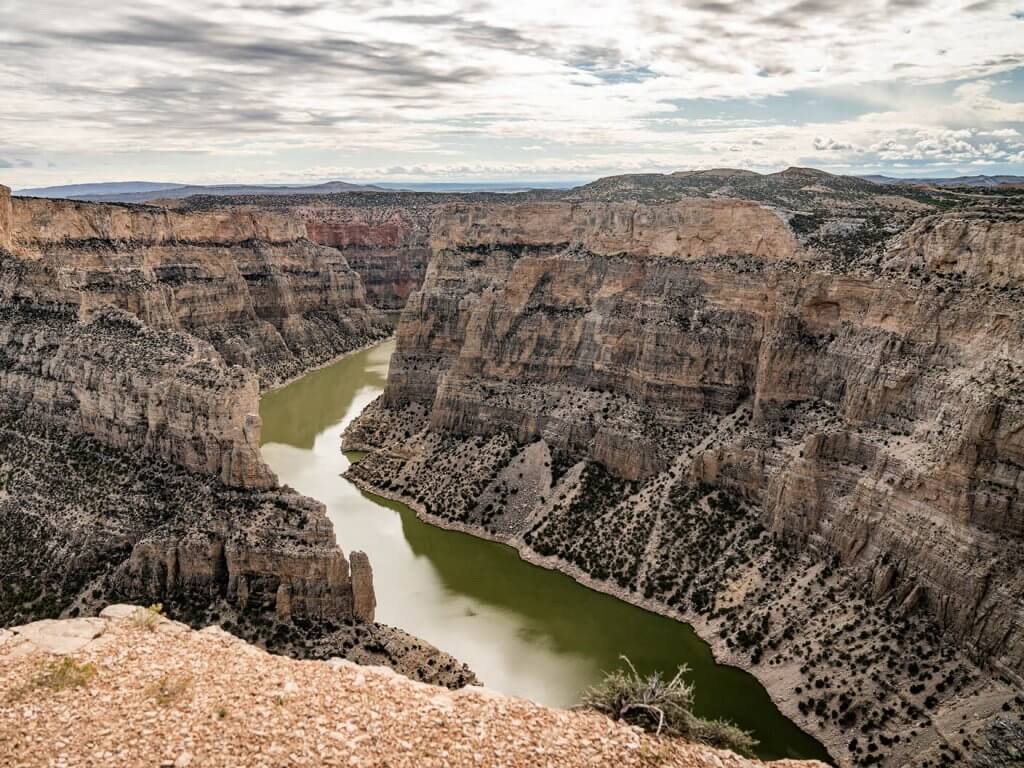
(662, 706)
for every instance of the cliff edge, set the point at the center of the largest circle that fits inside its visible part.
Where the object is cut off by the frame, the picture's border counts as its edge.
(143, 690)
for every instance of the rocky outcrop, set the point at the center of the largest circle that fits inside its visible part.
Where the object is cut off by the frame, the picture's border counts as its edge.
(315, 713)
(252, 284)
(129, 386)
(163, 399)
(636, 401)
(690, 230)
(977, 247)
(497, 323)
(384, 237)
(5, 217)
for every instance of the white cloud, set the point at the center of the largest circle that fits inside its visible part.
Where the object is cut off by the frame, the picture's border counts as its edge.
(831, 145)
(267, 88)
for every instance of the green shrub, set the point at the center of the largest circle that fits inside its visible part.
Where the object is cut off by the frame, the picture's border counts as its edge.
(662, 706)
(66, 673)
(148, 618)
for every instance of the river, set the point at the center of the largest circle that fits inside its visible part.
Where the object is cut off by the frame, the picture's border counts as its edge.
(524, 630)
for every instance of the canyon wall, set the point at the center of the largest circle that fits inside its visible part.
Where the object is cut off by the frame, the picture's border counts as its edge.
(129, 438)
(252, 284)
(388, 246)
(533, 319)
(384, 236)
(6, 213)
(635, 393)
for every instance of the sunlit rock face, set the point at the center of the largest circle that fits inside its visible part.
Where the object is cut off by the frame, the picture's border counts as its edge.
(885, 413)
(252, 284)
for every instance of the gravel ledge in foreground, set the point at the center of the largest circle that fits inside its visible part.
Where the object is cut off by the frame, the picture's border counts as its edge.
(163, 694)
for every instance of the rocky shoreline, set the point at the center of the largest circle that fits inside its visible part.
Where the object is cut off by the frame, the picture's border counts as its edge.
(983, 697)
(780, 689)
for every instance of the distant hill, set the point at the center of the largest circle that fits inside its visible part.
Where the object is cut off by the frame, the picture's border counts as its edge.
(952, 181)
(79, 191)
(141, 191)
(793, 188)
(476, 186)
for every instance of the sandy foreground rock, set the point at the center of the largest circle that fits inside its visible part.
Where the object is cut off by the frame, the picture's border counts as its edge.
(163, 694)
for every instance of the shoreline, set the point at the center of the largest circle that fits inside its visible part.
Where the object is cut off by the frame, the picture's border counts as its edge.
(326, 364)
(831, 739)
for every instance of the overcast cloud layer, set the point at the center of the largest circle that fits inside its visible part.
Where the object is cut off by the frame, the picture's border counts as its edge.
(302, 90)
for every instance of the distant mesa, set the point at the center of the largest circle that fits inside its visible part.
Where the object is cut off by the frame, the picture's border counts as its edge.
(952, 181)
(719, 173)
(143, 191)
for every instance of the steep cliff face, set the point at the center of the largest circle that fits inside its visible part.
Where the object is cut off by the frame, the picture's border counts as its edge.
(251, 284)
(5, 217)
(388, 246)
(129, 458)
(636, 399)
(384, 236)
(499, 321)
(133, 388)
(161, 399)
(978, 247)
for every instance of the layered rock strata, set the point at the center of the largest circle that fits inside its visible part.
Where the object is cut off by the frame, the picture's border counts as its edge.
(253, 285)
(388, 246)
(816, 460)
(384, 237)
(130, 464)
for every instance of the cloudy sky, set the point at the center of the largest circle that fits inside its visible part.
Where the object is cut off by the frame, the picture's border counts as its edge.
(305, 90)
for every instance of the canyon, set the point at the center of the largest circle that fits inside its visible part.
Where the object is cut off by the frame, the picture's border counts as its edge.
(792, 420)
(784, 408)
(135, 343)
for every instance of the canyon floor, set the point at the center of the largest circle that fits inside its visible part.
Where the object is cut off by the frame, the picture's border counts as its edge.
(132, 688)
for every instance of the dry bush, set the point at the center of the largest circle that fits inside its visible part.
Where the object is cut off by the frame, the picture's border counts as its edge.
(662, 706)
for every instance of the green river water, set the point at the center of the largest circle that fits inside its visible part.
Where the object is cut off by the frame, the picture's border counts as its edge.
(524, 630)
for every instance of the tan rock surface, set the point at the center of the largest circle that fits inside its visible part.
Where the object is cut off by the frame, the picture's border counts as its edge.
(686, 230)
(250, 283)
(5, 217)
(865, 409)
(976, 247)
(170, 696)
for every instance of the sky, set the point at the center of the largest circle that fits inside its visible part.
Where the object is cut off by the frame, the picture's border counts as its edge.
(291, 91)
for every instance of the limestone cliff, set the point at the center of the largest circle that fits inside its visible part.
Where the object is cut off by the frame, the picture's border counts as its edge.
(979, 247)
(384, 237)
(154, 397)
(253, 285)
(388, 246)
(635, 394)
